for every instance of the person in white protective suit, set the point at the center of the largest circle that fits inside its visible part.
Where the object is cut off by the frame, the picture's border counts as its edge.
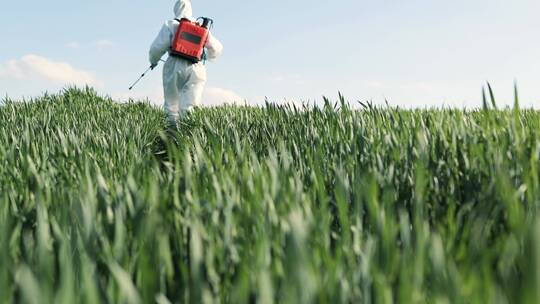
(183, 81)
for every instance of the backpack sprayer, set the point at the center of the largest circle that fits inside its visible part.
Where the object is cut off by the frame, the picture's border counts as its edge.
(190, 38)
(188, 42)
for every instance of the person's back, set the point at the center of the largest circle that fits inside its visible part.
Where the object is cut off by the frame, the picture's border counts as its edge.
(183, 80)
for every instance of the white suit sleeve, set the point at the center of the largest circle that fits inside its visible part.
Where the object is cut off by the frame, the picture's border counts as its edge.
(214, 48)
(161, 45)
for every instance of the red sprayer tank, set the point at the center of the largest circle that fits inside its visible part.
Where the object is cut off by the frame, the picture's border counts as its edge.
(190, 39)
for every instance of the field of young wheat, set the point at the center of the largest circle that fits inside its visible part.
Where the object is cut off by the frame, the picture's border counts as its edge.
(99, 204)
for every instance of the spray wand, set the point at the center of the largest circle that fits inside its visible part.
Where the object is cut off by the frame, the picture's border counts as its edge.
(143, 74)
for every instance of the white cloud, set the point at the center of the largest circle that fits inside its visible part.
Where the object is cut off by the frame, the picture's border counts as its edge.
(32, 67)
(73, 45)
(218, 96)
(104, 44)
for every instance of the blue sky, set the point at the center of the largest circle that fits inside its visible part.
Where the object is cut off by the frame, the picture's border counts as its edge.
(413, 53)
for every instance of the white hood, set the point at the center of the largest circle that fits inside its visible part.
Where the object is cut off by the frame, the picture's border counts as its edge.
(182, 9)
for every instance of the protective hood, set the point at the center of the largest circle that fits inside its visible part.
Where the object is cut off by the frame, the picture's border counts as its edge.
(182, 9)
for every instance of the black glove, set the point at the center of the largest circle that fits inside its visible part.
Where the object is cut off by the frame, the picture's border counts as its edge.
(153, 66)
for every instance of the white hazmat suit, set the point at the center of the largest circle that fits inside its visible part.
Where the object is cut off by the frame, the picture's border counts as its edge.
(183, 81)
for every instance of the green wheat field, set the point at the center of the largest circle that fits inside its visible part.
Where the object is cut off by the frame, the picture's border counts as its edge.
(100, 203)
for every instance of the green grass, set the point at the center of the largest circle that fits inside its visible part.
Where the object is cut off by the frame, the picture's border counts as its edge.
(273, 204)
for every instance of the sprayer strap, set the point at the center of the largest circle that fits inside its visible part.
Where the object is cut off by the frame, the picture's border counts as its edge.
(180, 20)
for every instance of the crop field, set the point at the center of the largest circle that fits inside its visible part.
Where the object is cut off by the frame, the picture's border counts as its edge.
(100, 203)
